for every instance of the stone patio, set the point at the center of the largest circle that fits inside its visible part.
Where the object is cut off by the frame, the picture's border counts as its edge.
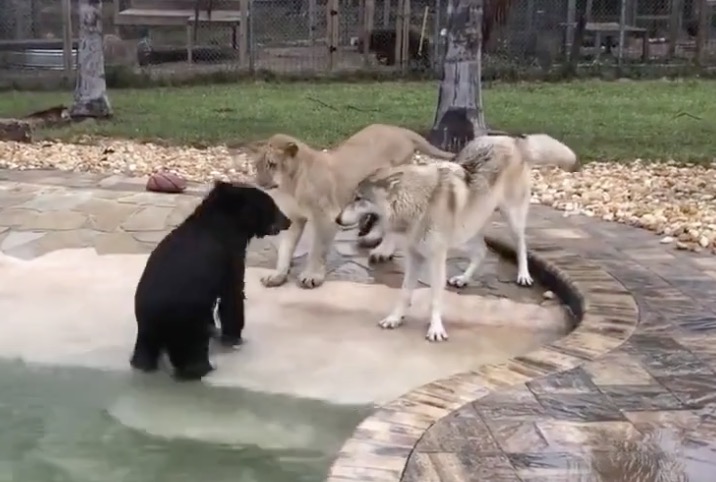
(630, 395)
(42, 211)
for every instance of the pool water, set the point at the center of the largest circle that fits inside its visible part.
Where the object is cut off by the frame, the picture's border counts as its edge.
(278, 409)
(75, 425)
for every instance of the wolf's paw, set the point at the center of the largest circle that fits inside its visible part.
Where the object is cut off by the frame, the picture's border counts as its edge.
(524, 279)
(311, 279)
(459, 281)
(436, 332)
(390, 322)
(274, 279)
(377, 258)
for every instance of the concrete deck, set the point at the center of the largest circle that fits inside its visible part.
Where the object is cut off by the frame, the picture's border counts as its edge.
(66, 245)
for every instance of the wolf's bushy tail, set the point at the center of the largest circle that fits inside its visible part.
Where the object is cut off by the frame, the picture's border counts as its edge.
(545, 150)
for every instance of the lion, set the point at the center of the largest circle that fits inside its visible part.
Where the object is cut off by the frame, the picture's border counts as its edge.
(312, 185)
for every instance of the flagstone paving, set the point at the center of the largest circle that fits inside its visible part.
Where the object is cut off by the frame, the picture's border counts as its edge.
(42, 212)
(630, 395)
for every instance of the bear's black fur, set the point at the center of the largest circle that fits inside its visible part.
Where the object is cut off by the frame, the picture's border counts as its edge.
(198, 262)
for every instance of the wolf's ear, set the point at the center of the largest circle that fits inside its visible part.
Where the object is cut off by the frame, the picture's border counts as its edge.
(392, 181)
(291, 149)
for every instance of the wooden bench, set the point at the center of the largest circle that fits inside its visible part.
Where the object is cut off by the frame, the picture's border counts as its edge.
(611, 29)
(180, 13)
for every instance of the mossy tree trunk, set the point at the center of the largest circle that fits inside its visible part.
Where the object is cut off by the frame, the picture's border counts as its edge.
(459, 116)
(91, 88)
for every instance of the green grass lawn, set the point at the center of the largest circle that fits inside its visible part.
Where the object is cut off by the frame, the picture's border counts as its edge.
(600, 120)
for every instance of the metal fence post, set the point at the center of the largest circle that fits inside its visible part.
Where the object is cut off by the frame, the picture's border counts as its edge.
(622, 32)
(244, 34)
(332, 37)
(674, 25)
(252, 40)
(405, 37)
(312, 8)
(703, 31)
(437, 39)
(571, 21)
(367, 23)
(67, 37)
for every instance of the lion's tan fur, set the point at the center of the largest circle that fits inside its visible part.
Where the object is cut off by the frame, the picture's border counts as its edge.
(313, 185)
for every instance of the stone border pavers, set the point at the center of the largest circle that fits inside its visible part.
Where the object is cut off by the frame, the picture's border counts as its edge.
(383, 443)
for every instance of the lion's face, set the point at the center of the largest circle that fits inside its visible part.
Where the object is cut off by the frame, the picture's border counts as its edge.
(273, 163)
(267, 170)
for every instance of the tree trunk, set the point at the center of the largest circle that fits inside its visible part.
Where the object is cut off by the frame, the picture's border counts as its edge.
(459, 117)
(91, 89)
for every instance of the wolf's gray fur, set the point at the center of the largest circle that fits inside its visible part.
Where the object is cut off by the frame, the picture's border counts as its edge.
(447, 204)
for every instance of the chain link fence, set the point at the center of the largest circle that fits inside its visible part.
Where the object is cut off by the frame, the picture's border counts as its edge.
(166, 37)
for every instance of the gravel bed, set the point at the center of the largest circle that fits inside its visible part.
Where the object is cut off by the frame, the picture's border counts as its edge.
(677, 202)
(129, 158)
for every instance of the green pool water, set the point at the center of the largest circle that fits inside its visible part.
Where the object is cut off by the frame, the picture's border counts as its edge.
(82, 425)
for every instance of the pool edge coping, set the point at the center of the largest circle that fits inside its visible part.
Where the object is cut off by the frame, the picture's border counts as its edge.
(379, 447)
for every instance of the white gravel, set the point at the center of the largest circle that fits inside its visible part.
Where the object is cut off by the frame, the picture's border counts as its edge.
(677, 202)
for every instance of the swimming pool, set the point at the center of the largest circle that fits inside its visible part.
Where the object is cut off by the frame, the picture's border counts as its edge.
(83, 425)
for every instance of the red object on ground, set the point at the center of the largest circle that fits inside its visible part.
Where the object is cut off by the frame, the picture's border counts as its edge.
(166, 182)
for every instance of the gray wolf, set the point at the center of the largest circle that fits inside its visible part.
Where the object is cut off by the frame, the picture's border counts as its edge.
(442, 205)
(313, 185)
(200, 261)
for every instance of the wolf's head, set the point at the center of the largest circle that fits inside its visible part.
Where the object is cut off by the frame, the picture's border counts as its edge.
(371, 198)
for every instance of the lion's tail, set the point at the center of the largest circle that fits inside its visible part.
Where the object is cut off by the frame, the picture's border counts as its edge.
(422, 145)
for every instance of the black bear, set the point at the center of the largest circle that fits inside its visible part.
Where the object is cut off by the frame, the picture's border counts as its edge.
(200, 261)
(382, 42)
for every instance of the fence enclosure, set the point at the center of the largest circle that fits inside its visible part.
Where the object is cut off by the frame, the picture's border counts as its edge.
(38, 37)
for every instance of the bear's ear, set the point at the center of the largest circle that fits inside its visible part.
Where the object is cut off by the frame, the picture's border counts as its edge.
(291, 149)
(222, 185)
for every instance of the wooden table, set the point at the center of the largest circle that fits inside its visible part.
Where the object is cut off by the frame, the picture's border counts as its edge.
(230, 18)
(169, 13)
